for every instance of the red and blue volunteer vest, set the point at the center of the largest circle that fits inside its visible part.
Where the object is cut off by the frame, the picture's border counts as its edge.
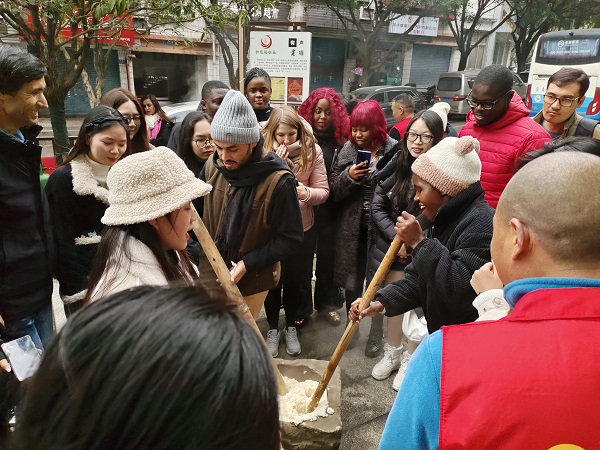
(528, 381)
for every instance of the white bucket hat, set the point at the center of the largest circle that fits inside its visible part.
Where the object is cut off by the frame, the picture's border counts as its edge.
(148, 185)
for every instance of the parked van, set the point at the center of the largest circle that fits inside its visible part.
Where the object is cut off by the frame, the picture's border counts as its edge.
(454, 87)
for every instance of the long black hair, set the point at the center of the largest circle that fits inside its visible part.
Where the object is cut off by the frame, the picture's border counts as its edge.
(403, 186)
(157, 108)
(99, 118)
(584, 144)
(184, 147)
(176, 265)
(153, 367)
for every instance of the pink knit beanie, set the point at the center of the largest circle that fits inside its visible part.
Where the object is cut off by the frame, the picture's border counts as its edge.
(451, 166)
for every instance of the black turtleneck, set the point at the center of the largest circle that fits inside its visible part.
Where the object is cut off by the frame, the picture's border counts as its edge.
(262, 115)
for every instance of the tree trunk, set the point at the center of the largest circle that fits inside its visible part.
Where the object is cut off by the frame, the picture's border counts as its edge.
(366, 59)
(61, 146)
(462, 63)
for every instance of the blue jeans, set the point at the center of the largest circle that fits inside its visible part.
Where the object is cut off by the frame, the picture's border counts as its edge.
(39, 326)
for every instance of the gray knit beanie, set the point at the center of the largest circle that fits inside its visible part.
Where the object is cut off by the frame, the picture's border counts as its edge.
(149, 185)
(235, 121)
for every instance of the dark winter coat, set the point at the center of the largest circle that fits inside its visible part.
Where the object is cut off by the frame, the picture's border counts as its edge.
(162, 138)
(26, 250)
(438, 278)
(383, 216)
(77, 203)
(348, 193)
(326, 213)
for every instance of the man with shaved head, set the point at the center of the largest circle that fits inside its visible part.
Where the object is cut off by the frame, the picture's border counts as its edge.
(529, 380)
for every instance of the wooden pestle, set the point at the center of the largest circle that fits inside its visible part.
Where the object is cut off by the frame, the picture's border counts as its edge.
(378, 278)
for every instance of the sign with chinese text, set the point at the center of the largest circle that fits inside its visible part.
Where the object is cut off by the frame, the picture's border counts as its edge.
(427, 26)
(286, 58)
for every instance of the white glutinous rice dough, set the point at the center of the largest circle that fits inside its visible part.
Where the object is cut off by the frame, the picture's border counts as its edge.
(293, 405)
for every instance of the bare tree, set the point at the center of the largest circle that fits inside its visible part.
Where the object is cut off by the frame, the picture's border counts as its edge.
(365, 35)
(222, 19)
(465, 17)
(532, 18)
(70, 29)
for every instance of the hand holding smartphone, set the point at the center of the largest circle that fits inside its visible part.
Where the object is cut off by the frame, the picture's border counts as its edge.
(363, 156)
(361, 165)
(23, 356)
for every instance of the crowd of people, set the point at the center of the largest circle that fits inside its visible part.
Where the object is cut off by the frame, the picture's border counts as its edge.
(497, 221)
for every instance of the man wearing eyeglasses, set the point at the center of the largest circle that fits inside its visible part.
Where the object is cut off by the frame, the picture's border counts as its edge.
(500, 121)
(564, 94)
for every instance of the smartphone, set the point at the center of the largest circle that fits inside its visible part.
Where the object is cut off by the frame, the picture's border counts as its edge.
(23, 357)
(363, 156)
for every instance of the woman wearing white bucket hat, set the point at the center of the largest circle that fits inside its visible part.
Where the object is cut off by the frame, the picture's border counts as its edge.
(148, 219)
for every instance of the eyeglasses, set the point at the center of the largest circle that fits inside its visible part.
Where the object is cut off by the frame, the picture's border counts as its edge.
(135, 118)
(425, 138)
(203, 142)
(562, 101)
(484, 105)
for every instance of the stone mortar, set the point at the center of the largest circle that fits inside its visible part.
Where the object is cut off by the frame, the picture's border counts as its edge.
(326, 432)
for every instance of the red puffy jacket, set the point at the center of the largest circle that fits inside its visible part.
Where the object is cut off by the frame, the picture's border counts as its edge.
(502, 143)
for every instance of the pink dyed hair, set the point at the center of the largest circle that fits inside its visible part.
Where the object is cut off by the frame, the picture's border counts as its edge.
(368, 114)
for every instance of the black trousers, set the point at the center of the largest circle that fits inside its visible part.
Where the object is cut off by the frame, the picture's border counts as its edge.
(296, 284)
(361, 270)
(327, 294)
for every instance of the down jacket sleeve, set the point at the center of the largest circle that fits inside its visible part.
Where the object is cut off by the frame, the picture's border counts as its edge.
(342, 185)
(317, 185)
(382, 210)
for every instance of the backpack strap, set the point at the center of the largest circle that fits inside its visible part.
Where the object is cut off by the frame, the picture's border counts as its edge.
(586, 127)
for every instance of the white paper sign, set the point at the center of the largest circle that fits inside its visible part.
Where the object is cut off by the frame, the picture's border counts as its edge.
(427, 26)
(286, 58)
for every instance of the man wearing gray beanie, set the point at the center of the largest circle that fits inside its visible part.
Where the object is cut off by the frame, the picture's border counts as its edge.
(253, 212)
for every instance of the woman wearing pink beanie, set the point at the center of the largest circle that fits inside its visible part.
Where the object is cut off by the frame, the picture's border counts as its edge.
(454, 243)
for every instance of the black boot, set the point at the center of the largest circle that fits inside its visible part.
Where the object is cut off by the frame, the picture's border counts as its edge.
(373, 347)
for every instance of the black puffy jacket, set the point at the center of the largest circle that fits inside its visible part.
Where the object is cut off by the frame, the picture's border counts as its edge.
(438, 278)
(383, 216)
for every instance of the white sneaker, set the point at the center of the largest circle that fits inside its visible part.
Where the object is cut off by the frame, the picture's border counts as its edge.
(390, 362)
(273, 337)
(292, 344)
(401, 371)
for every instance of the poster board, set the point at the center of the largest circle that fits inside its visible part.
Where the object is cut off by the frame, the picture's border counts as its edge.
(285, 55)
